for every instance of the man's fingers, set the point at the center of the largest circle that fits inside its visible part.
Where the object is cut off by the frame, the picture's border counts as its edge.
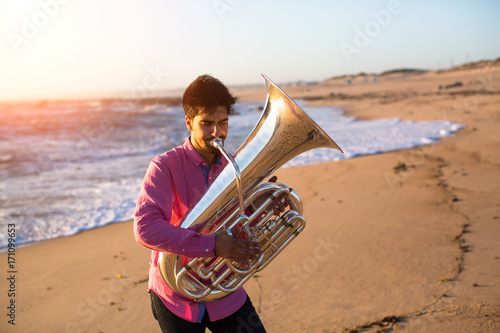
(237, 232)
(236, 249)
(245, 263)
(247, 247)
(242, 248)
(279, 205)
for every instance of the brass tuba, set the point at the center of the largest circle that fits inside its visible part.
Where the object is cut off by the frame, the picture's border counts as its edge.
(283, 132)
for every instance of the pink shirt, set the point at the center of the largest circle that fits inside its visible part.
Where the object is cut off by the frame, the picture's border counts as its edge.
(174, 182)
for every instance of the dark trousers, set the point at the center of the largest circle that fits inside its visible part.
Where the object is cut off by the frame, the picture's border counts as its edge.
(245, 320)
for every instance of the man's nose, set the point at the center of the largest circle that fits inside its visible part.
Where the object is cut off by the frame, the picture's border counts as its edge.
(216, 131)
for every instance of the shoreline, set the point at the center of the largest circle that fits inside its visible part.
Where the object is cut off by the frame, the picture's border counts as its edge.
(464, 307)
(380, 147)
(402, 240)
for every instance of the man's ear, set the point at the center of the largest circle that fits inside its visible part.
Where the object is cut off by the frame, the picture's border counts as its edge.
(189, 124)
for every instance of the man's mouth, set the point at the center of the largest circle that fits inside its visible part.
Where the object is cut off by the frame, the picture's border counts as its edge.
(209, 140)
(210, 147)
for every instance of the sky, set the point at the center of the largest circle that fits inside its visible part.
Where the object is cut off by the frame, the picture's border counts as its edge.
(57, 49)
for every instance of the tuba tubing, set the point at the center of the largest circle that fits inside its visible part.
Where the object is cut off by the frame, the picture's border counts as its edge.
(283, 131)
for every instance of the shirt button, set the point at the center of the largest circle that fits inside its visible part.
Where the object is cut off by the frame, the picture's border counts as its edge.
(206, 250)
(210, 178)
(183, 250)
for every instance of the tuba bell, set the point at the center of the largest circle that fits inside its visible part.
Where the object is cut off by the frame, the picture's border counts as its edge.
(283, 132)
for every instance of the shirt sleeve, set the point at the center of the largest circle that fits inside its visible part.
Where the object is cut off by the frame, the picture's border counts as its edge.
(152, 220)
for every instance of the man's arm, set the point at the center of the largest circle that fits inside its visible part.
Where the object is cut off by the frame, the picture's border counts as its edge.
(153, 213)
(152, 227)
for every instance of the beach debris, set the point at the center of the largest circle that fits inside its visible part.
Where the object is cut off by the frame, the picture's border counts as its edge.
(465, 248)
(142, 280)
(401, 166)
(387, 323)
(118, 276)
(452, 85)
(444, 279)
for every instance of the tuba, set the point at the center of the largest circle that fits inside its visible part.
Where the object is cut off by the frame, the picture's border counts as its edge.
(283, 132)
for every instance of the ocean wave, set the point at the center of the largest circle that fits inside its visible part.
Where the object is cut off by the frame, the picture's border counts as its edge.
(71, 167)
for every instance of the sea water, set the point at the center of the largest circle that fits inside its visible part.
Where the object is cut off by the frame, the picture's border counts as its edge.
(77, 165)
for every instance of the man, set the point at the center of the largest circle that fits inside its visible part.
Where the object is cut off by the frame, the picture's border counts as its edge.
(174, 183)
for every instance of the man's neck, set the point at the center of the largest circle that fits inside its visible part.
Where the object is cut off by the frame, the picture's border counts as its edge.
(211, 159)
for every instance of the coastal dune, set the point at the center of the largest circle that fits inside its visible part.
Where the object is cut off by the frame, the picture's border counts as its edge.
(406, 240)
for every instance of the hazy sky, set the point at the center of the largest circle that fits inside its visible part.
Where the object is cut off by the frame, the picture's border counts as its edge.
(80, 48)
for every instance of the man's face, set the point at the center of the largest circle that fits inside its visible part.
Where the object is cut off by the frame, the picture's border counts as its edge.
(205, 127)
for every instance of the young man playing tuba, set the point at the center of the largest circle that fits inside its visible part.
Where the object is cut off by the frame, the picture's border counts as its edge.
(174, 182)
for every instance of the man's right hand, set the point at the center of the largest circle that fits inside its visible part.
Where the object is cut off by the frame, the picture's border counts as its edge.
(236, 249)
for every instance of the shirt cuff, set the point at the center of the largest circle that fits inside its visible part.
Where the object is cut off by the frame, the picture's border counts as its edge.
(207, 245)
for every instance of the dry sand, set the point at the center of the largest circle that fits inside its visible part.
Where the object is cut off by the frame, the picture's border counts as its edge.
(404, 241)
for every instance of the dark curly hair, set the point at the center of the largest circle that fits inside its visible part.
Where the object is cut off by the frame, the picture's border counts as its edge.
(205, 94)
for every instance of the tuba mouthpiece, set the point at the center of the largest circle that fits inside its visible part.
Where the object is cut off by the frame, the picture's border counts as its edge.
(217, 142)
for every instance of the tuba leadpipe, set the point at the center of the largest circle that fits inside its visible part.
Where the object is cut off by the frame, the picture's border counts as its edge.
(283, 131)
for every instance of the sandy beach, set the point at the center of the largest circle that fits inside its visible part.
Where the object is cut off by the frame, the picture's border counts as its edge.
(404, 241)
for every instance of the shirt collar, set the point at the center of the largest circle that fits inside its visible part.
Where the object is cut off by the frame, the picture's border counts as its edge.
(196, 158)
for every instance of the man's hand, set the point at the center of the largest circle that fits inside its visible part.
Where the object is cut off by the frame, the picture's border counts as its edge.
(236, 249)
(277, 205)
